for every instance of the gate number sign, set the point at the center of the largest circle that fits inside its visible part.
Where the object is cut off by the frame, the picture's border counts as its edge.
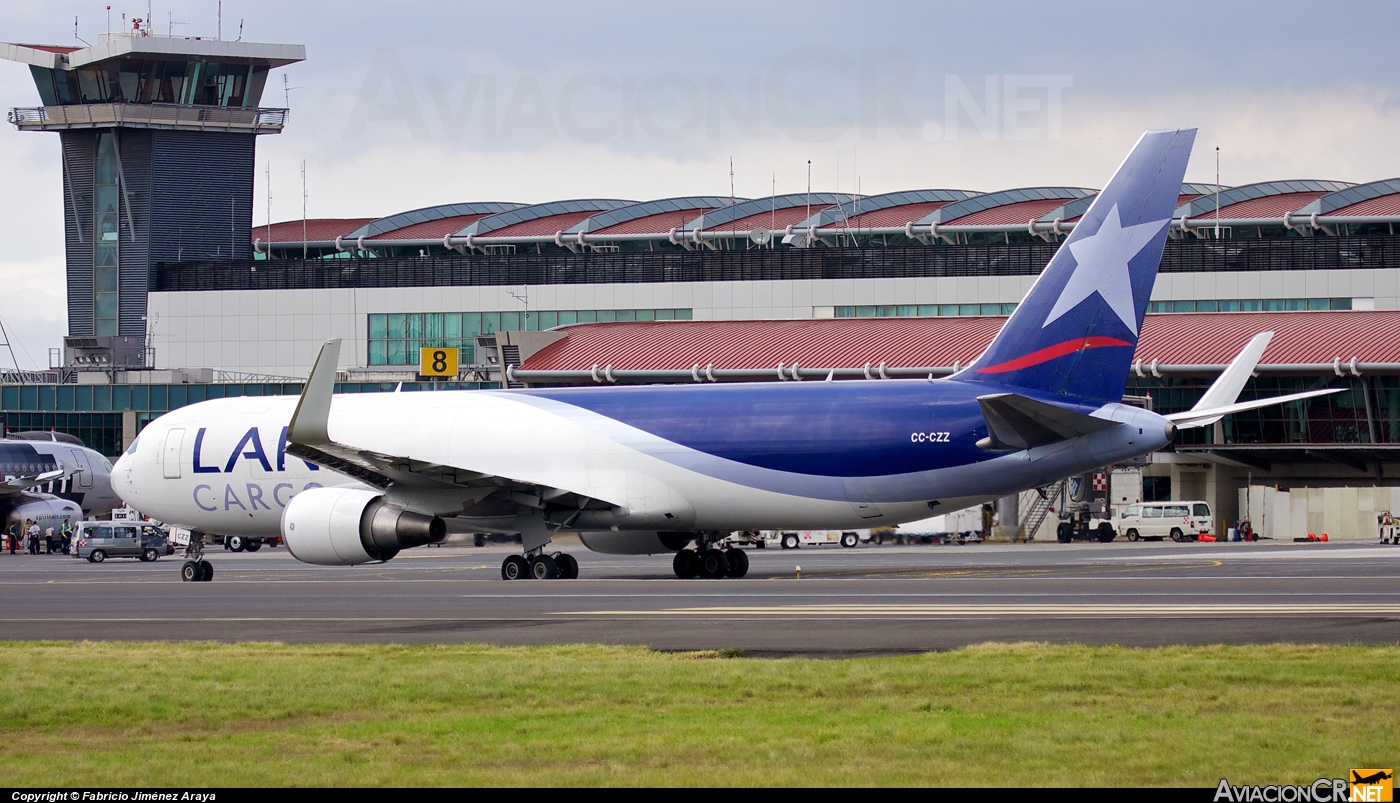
(437, 361)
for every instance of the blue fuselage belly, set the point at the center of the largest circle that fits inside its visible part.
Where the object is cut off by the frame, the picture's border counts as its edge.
(828, 429)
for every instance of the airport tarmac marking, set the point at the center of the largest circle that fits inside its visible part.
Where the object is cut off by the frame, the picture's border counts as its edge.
(945, 611)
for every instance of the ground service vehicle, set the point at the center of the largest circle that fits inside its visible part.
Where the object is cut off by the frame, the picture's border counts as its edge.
(100, 540)
(1179, 521)
(792, 539)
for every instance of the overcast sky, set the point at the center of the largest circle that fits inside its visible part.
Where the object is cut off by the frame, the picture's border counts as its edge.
(409, 104)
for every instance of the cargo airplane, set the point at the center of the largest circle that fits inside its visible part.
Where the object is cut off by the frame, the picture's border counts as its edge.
(354, 479)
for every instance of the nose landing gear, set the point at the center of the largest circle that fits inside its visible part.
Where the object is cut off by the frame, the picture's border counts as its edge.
(196, 569)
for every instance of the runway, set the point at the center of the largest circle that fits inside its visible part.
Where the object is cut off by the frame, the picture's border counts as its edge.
(868, 600)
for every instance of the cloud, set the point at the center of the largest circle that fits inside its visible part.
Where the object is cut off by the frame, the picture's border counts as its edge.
(538, 101)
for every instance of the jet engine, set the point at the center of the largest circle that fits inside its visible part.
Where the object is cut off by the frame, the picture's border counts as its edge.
(46, 512)
(635, 542)
(345, 526)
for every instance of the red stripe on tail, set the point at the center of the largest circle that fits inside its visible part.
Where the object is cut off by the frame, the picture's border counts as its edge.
(1051, 352)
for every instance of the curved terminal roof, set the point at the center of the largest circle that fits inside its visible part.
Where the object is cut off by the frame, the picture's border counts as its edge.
(1268, 199)
(651, 217)
(1006, 207)
(774, 212)
(431, 221)
(1375, 198)
(888, 209)
(1075, 209)
(541, 219)
(318, 230)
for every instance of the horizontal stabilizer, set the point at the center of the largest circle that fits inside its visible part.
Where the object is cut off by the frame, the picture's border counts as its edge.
(1019, 422)
(1226, 388)
(1193, 418)
(24, 481)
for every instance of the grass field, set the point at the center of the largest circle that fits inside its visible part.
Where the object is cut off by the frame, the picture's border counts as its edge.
(114, 714)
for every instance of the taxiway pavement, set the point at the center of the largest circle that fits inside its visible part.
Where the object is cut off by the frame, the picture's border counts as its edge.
(868, 600)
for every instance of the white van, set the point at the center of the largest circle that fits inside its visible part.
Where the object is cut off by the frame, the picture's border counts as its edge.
(1179, 521)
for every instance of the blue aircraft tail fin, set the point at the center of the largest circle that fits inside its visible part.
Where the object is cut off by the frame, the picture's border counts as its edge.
(1075, 331)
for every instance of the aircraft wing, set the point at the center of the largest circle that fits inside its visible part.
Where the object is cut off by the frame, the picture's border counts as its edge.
(1020, 422)
(308, 438)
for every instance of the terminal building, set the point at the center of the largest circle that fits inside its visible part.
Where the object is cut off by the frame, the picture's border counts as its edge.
(175, 296)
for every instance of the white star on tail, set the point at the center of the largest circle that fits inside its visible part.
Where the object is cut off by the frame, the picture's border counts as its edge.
(1102, 267)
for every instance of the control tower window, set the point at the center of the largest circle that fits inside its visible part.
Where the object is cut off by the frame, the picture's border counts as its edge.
(107, 243)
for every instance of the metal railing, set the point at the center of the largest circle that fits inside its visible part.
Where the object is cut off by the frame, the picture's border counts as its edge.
(1014, 259)
(149, 115)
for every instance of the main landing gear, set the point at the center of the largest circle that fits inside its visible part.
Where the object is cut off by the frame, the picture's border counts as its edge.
(556, 566)
(196, 569)
(710, 562)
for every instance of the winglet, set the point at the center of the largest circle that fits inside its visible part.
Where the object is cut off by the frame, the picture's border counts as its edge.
(312, 416)
(1225, 390)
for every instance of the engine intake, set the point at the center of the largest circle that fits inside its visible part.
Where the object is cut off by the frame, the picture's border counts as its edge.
(346, 526)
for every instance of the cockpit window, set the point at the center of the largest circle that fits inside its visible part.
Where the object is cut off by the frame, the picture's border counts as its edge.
(132, 448)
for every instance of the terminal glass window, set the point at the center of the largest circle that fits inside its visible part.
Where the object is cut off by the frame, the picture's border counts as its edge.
(922, 310)
(396, 337)
(107, 239)
(1252, 305)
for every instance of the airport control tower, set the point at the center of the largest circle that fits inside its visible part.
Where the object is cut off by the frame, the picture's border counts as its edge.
(157, 136)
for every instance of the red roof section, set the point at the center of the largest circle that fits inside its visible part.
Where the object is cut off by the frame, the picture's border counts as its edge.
(1384, 205)
(1299, 337)
(659, 223)
(65, 49)
(1268, 206)
(892, 216)
(776, 221)
(825, 342)
(1020, 212)
(1179, 339)
(317, 230)
(541, 226)
(432, 229)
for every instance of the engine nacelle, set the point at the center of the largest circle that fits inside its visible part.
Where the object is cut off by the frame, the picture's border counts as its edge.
(345, 526)
(635, 542)
(46, 513)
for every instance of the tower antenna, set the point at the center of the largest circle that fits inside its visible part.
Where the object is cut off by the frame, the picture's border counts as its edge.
(303, 209)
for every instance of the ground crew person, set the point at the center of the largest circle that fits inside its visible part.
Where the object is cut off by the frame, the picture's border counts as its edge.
(13, 534)
(33, 532)
(66, 531)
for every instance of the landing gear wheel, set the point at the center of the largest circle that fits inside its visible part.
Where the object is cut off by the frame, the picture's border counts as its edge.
(713, 564)
(235, 543)
(790, 541)
(686, 564)
(206, 571)
(568, 567)
(97, 556)
(253, 546)
(189, 572)
(1064, 533)
(1133, 535)
(150, 555)
(849, 540)
(514, 567)
(1177, 535)
(1106, 533)
(738, 562)
(543, 567)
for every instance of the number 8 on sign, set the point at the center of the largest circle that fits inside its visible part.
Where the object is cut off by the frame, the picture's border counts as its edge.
(437, 361)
